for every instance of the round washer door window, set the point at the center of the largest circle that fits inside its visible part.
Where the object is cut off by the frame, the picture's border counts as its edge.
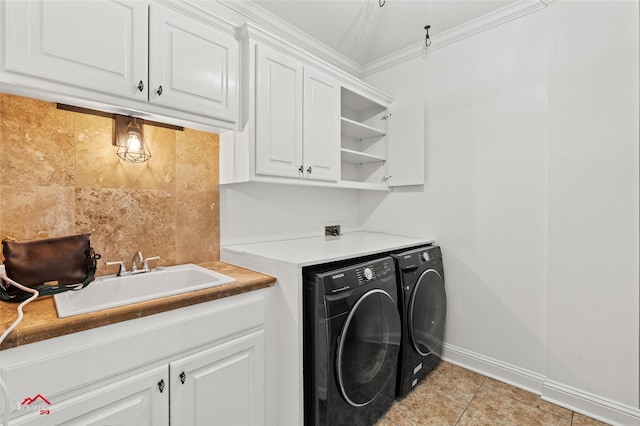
(368, 347)
(427, 311)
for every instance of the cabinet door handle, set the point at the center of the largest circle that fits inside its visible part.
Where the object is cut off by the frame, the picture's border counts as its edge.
(183, 377)
(161, 385)
(309, 170)
(159, 91)
(141, 86)
(301, 169)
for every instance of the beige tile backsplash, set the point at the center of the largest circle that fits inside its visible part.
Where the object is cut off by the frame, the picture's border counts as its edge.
(59, 175)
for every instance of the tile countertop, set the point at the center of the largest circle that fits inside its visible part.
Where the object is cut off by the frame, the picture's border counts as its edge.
(41, 321)
(316, 250)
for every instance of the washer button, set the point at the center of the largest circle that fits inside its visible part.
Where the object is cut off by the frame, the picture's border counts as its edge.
(368, 274)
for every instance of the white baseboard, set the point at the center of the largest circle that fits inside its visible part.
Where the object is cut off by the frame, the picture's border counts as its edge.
(499, 370)
(591, 405)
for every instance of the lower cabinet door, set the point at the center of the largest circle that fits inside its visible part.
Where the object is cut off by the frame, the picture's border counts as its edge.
(224, 385)
(139, 400)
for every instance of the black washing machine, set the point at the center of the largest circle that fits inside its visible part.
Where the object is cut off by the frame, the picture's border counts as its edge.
(423, 304)
(351, 338)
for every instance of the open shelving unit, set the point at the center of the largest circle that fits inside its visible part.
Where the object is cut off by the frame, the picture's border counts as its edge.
(363, 147)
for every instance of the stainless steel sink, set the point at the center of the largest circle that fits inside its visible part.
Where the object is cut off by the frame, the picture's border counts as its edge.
(111, 291)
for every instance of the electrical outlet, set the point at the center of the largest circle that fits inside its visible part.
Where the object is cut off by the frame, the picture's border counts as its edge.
(332, 231)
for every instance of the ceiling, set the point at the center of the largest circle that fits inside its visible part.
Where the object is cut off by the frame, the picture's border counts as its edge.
(364, 32)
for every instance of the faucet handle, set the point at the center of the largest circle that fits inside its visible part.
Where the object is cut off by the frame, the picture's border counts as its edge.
(146, 262)
(122, 270)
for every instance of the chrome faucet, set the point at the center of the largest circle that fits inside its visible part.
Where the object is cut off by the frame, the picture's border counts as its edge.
(136, 261)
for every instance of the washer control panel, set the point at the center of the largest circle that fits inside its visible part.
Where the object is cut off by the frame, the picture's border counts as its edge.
(348, 278)
(418, 257)
(374, 271)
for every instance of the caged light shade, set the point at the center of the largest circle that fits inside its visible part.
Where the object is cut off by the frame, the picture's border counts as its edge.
(132, 147)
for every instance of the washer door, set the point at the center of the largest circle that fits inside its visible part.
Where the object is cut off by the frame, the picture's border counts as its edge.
(427, 311)
(368, 347)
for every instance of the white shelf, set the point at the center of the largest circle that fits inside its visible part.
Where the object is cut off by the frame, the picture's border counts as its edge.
(352, 184)
(357, 157)
(360, 131)
(360, 103)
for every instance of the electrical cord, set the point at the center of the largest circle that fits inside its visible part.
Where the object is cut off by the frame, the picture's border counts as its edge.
(3, 386)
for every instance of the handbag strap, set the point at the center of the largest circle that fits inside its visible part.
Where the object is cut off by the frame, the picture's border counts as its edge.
(48, 290)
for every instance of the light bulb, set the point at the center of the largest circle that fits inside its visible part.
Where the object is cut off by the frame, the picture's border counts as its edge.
(133, 142)
(133, 148)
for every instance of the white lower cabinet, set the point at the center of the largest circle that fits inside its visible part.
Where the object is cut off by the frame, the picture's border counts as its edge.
(201, 365)
(135, 400)
(222, 385)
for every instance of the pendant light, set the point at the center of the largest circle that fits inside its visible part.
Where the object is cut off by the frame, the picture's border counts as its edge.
(132, 148)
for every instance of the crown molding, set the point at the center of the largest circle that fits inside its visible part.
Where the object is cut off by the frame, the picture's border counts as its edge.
(468, 29)
(292, 35)
(296, 38)
(348, 80)
(197, 12)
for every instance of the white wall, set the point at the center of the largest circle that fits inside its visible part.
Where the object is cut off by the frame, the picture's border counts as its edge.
(252, 212)
(593, 199)
(532, 191)
(484, 200)
(531, 158)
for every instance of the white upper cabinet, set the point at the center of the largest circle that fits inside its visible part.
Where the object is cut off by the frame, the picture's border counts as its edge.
(278, 114)
(156, 57)
(191, 66)
(309, 124)
(321, 147)
(297, 132)
(99, 45)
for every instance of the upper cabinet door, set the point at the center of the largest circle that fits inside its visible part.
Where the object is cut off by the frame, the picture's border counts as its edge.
(321, 126)
(278, 114)
(406, 161)
(100, 45)
(193, 66)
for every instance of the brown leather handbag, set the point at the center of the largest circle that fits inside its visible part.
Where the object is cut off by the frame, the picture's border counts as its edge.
(50, 265)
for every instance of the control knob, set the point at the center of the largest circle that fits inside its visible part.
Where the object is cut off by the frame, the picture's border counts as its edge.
(425, 256)
(368, 274)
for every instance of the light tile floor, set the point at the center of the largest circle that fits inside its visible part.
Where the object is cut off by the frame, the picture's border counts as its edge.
(454, 396)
